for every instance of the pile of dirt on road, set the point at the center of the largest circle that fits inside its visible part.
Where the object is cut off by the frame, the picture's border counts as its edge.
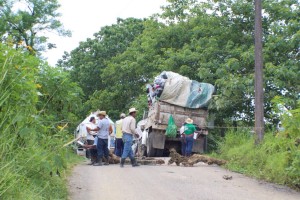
(113, 159)
(189, 162)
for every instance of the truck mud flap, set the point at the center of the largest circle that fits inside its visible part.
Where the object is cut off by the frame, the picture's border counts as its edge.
(199, 145)
(158, 140)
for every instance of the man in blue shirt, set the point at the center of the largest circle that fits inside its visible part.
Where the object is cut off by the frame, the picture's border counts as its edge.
(103, 127)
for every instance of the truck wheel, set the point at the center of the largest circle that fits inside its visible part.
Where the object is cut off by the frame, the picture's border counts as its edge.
(150, 149)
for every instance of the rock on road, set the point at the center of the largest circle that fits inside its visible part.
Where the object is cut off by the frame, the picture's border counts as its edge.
(201, 182)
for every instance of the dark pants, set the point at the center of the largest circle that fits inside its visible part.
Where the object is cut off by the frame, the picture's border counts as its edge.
(93, 152)
(119, 146)
(88, 151)
(102, 149)
(183, 146)
(189, 145)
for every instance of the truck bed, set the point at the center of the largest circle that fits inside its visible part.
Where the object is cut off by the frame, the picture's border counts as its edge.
(159, 113)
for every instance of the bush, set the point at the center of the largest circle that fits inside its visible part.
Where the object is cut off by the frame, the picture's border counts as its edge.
(276, 159)
(30, 149)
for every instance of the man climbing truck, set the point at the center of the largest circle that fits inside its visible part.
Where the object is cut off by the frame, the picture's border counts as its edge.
(177, 97)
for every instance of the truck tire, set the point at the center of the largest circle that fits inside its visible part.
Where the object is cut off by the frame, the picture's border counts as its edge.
(150, 149)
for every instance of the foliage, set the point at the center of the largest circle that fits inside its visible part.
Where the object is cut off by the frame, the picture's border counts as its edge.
(87, 61)
(30, 148)
(24, 23)
(208, 42)
(277, 159)
(60, 99)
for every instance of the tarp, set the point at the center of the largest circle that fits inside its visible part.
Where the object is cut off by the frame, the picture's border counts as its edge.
(181, 91)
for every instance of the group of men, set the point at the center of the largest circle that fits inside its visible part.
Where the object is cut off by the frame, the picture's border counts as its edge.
(125, 131)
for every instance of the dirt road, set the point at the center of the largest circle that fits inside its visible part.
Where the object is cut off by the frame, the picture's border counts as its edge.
(202, 182)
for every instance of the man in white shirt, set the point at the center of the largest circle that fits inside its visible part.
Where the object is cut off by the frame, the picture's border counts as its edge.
(128, 129)
(103, 127)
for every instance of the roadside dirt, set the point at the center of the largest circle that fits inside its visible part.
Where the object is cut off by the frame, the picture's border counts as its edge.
(163, 182)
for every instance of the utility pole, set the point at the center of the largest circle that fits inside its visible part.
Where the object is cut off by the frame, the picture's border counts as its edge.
(259, 93)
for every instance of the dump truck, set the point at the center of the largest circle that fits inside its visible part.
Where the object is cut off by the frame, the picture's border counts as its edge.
(172, 94)
(156, 143)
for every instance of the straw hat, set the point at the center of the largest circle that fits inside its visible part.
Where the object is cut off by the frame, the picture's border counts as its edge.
(189, 121)
(102, 113)
(122, 115)
(131, 110)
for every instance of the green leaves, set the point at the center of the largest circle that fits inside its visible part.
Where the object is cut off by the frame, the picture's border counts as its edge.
(208, 42)
(23, 24)
(31, 138)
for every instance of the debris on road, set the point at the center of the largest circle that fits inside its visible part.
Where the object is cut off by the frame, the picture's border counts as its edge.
(189, 162)
(227, 177)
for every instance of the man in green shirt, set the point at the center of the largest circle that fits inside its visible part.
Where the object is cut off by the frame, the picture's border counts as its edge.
(189, 129)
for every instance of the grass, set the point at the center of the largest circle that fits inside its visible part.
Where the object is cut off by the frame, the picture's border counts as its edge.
(30, 147)
(276, 159)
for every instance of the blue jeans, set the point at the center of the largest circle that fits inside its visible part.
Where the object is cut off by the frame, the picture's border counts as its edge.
(189, 145)
(102, 148)
(127, 152)
(119, 146)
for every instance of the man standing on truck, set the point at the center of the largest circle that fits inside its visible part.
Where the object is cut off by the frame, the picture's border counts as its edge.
(128, 129)
(119, 145)
(103, 128)
(189, 129)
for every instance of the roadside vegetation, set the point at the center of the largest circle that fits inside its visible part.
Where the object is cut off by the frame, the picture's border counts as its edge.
(211, 41)
(276, 159)
(33, 162)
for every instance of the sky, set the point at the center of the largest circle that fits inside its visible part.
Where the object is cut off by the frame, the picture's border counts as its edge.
(86, 17)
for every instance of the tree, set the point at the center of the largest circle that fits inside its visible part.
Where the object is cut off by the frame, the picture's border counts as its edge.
(87, 61)
(215, 47)
(24, 23)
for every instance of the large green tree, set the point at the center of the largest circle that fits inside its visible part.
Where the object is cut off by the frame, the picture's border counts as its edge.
(24, 23)
(213, 43)
(209, 42)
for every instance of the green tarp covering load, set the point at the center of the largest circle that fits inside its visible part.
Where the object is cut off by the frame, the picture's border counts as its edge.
(171, 130)
(182, 91)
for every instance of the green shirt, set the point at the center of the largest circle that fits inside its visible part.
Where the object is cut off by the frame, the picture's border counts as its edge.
(189, 129)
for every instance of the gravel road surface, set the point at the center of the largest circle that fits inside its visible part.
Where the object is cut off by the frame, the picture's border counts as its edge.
(201, 182)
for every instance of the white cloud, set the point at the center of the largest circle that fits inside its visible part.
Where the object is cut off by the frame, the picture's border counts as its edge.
(86, 17)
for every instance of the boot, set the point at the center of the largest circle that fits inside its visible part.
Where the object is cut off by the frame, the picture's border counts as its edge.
(93, 160)
(134, 163)
(122, 162)
(106, 161)
(98, 162)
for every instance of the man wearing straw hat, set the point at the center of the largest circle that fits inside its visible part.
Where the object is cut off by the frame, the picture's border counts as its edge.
(103, 133)
(128, 129)
(189, 129)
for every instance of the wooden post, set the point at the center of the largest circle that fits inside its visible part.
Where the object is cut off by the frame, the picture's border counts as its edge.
(259, 102)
